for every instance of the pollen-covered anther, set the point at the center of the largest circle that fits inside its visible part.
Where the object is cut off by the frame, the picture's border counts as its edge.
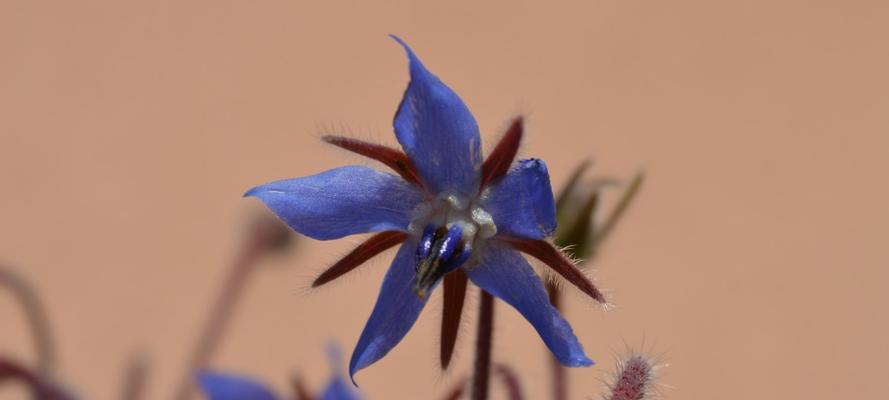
(484, 221)
(452, 209)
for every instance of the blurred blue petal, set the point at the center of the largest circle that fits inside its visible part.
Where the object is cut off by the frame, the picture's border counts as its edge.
(337, 388)
(340, 202)
(395, 312)
(506, 275)
(522, 202)
(438, 132)
(232, 387)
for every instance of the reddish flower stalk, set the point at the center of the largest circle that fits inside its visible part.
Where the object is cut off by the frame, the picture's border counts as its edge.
(633, 379)
(35, 312)
(265, 235)
(481, 372)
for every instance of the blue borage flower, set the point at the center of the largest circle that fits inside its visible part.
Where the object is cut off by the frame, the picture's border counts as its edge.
(456, 218)
(219, 386)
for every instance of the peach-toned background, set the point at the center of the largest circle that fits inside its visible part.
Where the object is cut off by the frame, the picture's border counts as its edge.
(754, 261)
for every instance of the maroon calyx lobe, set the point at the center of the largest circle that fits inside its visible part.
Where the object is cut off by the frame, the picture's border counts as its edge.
(376, 244)
(553, 258)
(498, 162)
(393, 158)
(452, 310)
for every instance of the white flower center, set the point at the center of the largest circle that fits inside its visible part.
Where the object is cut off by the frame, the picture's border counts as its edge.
(450, 209)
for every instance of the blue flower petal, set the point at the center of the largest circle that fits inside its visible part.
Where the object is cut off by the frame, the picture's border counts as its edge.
(522, 202)
(340, 202)
(396, 310)
(232, 387)
(503, 273)
(438, 132)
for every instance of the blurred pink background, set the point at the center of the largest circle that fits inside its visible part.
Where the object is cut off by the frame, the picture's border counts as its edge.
(754, 262)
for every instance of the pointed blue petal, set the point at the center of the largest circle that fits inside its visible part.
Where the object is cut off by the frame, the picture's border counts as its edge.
(218, 386)
(522, 202)
(503, 273)
(394, 314)
(438, 132)
(340, 202)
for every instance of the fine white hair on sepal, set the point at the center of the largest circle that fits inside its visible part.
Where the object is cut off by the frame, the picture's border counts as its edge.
(557, 281)
(341, 129)
(569, 254)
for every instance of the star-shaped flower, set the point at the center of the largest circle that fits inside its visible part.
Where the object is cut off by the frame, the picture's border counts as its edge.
(454, 216)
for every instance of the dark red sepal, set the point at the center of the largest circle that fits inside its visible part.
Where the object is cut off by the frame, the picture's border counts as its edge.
(454, 297)
(498, 162)
(552, 257)
(376, 244)
(393, 158)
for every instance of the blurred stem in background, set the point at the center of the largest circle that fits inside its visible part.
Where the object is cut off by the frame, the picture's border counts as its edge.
(506, 374)
(577, 232)
(29, 299)
(135, 378)
(41, 388)
(40, 380)
(300, 390)
(266, 234)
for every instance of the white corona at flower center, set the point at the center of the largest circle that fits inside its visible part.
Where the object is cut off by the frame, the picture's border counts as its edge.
(450, 209)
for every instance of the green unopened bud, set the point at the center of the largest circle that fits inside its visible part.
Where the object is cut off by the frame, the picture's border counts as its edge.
(575, 223)
(576, 211)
